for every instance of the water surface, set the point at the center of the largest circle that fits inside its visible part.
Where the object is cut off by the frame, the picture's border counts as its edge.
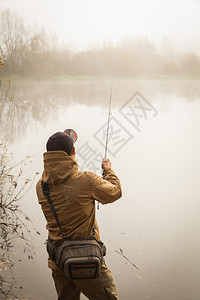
(156, 156)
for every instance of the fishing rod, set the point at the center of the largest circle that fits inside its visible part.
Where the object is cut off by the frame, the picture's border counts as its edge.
(109, 112)
(110, 102)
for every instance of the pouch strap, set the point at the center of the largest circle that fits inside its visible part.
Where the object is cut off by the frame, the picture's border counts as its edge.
(93, 232)
(46, 192)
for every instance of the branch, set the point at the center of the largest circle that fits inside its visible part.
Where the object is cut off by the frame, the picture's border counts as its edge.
(122, 254)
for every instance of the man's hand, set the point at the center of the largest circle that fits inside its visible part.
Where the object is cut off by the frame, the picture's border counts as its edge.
(106, 164)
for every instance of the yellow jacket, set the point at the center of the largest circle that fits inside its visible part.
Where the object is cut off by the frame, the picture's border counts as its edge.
(73, 194)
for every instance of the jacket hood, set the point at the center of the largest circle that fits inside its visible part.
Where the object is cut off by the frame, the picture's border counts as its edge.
(58, 166)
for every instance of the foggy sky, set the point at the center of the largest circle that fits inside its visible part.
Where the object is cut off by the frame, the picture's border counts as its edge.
(83, 23)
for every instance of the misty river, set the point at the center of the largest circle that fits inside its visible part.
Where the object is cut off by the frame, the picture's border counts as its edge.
(154, 147)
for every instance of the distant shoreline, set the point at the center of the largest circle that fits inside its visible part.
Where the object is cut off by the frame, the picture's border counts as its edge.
(82, 78)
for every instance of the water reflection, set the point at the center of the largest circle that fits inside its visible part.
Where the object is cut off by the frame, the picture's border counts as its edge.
(157, 221)
(36, 101)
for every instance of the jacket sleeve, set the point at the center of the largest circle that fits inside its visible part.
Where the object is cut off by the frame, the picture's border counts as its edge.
(106, 190)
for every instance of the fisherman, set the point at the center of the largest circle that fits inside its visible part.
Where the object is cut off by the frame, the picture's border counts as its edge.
(73, 194)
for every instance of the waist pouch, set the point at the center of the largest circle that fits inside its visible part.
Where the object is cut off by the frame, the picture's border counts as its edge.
(79, 259)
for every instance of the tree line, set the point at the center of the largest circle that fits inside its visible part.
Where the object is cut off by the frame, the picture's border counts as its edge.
(34, 53)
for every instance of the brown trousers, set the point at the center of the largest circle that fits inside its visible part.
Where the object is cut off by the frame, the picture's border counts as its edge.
(102, 288)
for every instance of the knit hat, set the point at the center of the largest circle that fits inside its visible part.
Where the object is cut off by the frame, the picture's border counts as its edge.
(61, 141)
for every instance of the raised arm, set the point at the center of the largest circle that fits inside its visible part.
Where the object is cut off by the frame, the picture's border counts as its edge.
(106, 190)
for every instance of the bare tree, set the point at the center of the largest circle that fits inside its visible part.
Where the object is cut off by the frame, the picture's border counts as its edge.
(40, 53)
(13, 39)
(190, 64)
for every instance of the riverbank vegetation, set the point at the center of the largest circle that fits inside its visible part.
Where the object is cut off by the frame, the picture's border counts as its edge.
(27, 52)
(15, 232)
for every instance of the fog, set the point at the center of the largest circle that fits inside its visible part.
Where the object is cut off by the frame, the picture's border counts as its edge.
(81, 24)
(33, 53)
(57, 65)
(37, 100)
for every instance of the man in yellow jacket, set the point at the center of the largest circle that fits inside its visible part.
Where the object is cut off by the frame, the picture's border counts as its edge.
(73, 194)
